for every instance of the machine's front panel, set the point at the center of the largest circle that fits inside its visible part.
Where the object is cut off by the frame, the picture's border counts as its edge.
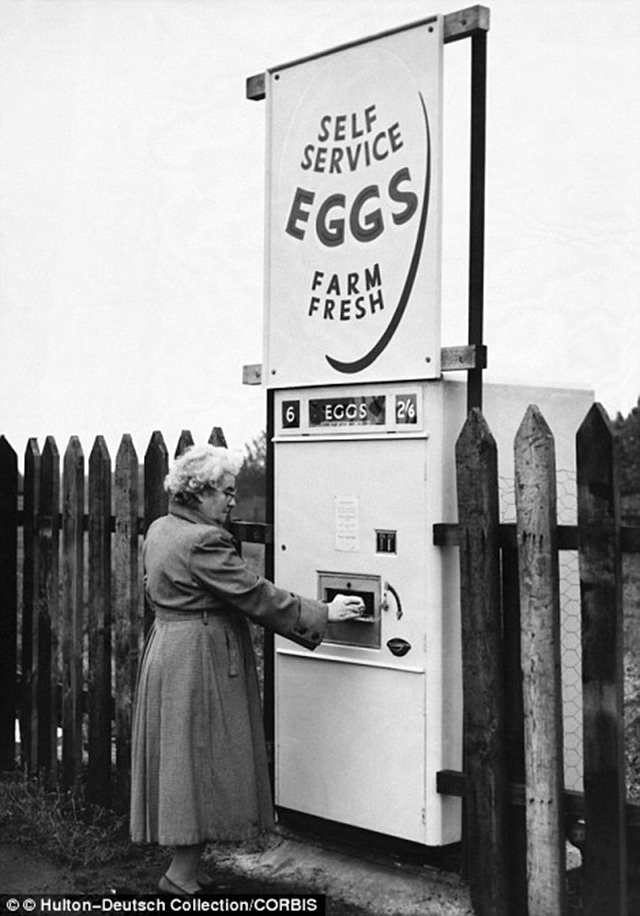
(359, 730)
(359, 721)
(339, 497)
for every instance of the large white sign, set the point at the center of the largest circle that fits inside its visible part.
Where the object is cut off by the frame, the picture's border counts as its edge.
(353, 212)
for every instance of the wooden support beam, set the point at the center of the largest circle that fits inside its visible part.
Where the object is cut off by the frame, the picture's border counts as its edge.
(466, 357)
(256, 87)
(454, 783)
(252, 532)
(464, 23)
(252, 374)
(447, 534)
(461, 24)
(452, 359)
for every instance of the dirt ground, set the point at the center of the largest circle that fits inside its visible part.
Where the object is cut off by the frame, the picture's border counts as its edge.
(353, 886)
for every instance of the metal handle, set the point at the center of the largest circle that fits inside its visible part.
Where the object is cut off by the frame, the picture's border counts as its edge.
(385, 604)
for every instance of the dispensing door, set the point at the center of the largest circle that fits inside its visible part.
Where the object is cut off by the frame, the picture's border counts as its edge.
(362, 724)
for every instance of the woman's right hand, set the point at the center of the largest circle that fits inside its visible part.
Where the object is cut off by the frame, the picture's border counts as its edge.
(345, 607)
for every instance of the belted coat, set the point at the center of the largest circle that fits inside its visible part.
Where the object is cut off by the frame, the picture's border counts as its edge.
(199, 765)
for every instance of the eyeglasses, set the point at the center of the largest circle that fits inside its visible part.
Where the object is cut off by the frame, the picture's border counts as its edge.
(229, 492)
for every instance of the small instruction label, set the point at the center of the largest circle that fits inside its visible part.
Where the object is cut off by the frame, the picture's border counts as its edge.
(346, 522)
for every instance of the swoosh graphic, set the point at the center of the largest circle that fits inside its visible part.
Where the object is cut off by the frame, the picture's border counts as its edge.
(370, 357)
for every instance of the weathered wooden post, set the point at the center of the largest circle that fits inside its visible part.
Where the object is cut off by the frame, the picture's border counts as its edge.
(8, 602)
(30, 574)
(49, 609)
(99, 680)
(73, 609)
(184, 442)
(156, 503)
(217, 437)
(483, 674)
(127, 622)
(535, 475)
(605, 857)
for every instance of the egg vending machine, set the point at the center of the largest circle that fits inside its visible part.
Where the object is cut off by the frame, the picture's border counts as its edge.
(365, 721)
(363, 472)
(352, 359)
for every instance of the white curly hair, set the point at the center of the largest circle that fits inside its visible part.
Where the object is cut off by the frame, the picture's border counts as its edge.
(199, 467)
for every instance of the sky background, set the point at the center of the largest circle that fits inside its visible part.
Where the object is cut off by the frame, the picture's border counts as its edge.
(132, 204)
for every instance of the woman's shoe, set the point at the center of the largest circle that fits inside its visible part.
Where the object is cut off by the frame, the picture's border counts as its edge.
(169, 888)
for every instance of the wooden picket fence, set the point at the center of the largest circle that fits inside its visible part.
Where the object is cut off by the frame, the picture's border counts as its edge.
(82, 617)
(516, 807)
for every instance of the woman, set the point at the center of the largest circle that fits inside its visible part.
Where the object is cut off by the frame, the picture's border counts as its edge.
(199, 767)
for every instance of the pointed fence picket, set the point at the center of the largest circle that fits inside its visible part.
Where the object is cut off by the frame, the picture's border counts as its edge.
(126, 612)
(8, 598)
(602, 667)
(156, 465)
(72, 609)
(48, 636)
(30, 609)
(482, 661)
(535, 488)
(99, 620)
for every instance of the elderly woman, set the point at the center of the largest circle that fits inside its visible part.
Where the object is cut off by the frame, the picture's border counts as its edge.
(199, 767)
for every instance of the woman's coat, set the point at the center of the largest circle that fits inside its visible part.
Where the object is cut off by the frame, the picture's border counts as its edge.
(199, 767)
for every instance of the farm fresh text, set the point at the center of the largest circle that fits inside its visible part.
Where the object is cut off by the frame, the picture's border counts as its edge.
(343, 298)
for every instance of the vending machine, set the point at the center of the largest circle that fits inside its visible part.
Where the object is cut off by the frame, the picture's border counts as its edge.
(362, 474)
(364, 722)
(364, 421)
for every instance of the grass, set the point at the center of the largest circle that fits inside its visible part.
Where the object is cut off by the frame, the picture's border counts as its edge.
(88, 845)
(631, 593)
(73, 831)
(632, 728)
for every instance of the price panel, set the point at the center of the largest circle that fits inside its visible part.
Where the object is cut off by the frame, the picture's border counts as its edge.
(291, 414)
(406, 410)
(347, 411)
(359, 410)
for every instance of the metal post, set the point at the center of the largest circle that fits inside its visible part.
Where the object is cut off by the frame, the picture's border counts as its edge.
(269, 563)
(476, 208)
